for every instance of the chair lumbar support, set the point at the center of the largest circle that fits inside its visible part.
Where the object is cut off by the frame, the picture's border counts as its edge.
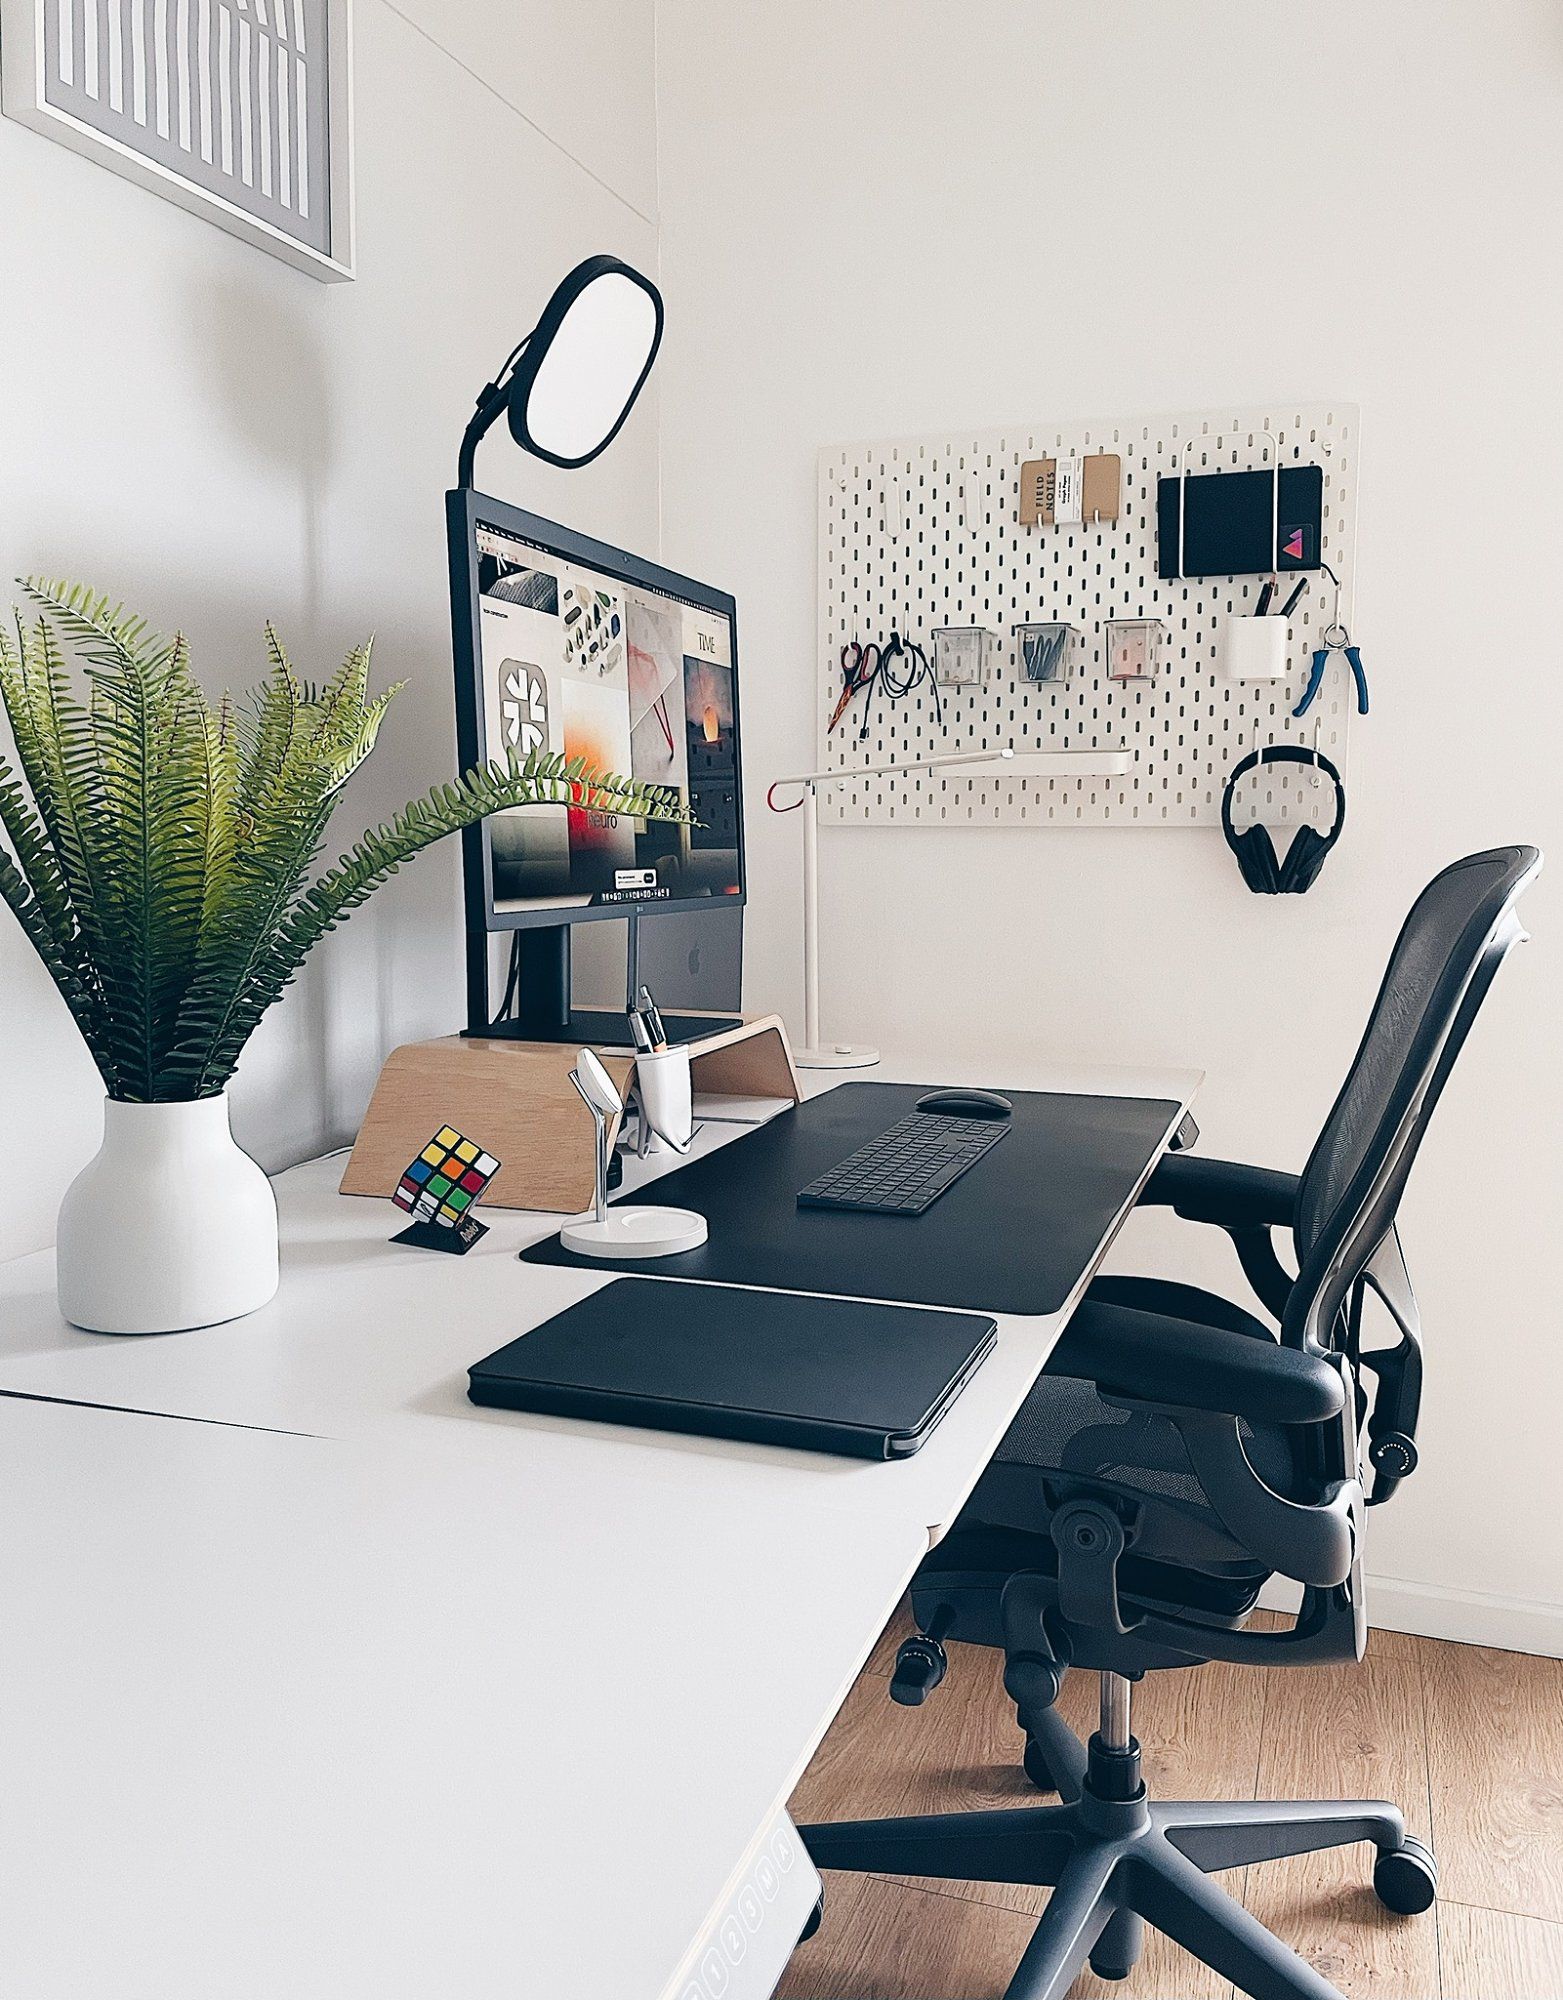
(1115, 1862)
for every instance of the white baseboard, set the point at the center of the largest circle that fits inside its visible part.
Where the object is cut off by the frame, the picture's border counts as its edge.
(1437, 1611)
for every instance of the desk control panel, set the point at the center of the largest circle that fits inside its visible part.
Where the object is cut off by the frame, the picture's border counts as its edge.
(745, 1951)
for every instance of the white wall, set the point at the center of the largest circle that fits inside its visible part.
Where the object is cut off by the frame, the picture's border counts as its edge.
(220, 439)
(899, 217)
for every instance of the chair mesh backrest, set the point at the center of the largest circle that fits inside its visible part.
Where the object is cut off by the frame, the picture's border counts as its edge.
(1412, 1037)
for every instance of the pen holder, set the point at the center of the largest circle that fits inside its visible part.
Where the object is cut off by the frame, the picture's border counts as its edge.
(666, 1097)
(1254, 649)
(1047, 651)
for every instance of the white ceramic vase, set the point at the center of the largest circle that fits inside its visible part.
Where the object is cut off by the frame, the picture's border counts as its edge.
(171, 1226)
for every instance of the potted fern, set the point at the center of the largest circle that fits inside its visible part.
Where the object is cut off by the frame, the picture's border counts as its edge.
(163, 865)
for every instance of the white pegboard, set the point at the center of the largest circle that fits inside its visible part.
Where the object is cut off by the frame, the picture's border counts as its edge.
(917, 533)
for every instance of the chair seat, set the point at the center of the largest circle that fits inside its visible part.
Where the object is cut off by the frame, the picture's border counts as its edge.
(1065, 1431)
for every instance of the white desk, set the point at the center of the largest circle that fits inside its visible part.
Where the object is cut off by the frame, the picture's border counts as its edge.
(293, 1720)
(642, 1543)
(367, 1338)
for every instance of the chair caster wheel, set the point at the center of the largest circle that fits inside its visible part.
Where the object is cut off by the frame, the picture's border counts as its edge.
(816, 1918)
(1405, 1879)
(1036, 1768)
(921, 1663)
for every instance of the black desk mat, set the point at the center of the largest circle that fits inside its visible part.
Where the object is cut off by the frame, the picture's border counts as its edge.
(1013, 1235)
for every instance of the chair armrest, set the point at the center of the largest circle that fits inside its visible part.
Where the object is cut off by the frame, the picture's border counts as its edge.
(1147, 1358)
(1225, 1192)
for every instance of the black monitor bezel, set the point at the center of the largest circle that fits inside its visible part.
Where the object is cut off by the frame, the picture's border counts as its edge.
(463, 508)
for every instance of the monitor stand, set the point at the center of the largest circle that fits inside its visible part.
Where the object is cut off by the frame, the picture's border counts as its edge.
(543, 1012)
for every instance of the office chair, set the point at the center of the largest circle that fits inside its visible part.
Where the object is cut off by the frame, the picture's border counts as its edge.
(1176, 1453)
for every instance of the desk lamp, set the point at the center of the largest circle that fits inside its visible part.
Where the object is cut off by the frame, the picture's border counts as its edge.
(1014, 763)
(571, 382)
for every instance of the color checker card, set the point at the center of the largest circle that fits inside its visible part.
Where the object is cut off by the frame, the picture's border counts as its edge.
(445, 1180)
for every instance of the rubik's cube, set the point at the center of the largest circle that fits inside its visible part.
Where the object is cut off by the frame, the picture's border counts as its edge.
(447, 1177)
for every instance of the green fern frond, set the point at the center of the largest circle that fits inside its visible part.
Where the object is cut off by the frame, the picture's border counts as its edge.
(224, 822)
(445, 809)
(36, 890)
(17, 892)
(104, 632)
(54, 744)
(148, 721)
(267, 720)
(163, 848)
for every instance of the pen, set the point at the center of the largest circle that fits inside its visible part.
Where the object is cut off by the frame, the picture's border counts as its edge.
(639, 1029)
(1292, 602)
(1265, 596)
(648, 1007)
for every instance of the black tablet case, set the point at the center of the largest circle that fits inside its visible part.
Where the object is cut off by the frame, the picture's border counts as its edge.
(1012, 1235)
(867, 1381)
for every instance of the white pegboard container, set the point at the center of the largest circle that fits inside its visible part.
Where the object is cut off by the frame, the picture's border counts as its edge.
(917, 533)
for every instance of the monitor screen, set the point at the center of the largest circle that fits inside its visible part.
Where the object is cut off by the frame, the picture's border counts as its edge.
(584, 651)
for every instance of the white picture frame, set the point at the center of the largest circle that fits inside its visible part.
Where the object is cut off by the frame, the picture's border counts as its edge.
(25, 95)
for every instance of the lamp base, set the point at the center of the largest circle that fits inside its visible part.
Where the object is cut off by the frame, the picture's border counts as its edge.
(636, 1232)
(837, 1055)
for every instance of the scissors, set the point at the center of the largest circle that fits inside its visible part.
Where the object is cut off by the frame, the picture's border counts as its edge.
(1336, 640)
(859, 664)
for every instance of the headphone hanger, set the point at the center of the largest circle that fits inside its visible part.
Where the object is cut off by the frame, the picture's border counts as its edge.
(1261, 752)
(1294, 872)
(1280, 753)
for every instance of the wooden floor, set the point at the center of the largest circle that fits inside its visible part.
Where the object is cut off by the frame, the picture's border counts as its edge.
(1468, 1742)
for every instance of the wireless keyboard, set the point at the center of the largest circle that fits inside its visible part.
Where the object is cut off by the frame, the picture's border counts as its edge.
(908, 1167)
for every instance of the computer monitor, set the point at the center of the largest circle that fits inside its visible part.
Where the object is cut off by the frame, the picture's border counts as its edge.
(566, 644)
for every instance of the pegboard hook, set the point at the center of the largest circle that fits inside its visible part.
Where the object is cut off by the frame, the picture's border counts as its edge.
(1334, 633)
(1186, 445)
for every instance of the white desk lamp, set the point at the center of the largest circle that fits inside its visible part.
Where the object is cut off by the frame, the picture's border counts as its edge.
(1015, 763)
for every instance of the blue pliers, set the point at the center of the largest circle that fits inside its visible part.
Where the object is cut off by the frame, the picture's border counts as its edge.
(1336, 640)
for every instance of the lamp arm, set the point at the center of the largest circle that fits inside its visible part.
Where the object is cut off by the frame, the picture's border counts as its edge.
(490, 403)
(491, 400)
(808, 779)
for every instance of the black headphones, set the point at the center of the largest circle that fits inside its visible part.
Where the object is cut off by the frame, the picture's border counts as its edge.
(1255, 850)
